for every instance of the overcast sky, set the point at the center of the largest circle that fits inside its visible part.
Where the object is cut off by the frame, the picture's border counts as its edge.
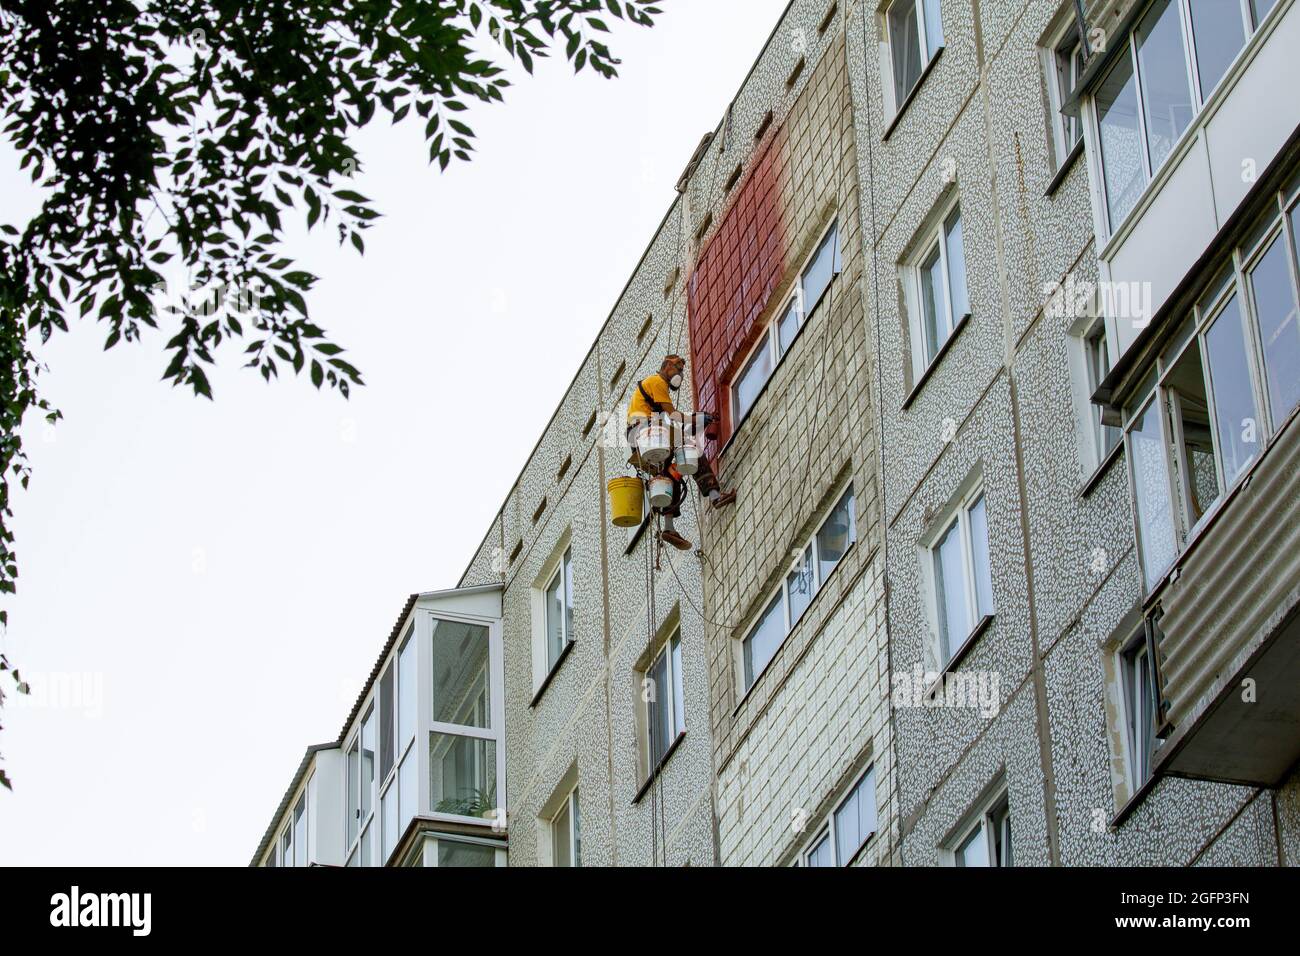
(204, 585)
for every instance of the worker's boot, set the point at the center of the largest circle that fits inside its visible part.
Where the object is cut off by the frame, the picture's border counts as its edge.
(675, 539)
(724, 499)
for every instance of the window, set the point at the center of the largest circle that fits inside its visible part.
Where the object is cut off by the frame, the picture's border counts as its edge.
(752, 378)
(1171, 63)
(397, 780)
(460, 853)
(454, 720)
(389, 809)
(1228, 380)
(915, 36)
(1097, 360)
(1066, 67)
(407, 785)
(463, 745)
(354, 792)
(391, 719)
(959, 568)
(814, 281)
(822, 852)
(763, 640)
(1273, 292)
(1220, 31)
(293, 842)
(1139, 696)
(988, 841)
(848, 828)
(665, 710)
(817, 559)
(363, 798)
(386, 736)
(1260, 9)
(566, 833)
(407, 678)
(559, 610)
(1119, 135)
(453, 851)
(1167, 104)
(937, 296)
(1150, 475)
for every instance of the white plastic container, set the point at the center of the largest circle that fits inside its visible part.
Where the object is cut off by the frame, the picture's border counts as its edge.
(687, 457)
(661, 492)
(654, 444)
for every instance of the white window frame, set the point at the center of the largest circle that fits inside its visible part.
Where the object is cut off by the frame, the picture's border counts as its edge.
(1093, 434)
(284, 851)
(994, 821)
(1134, 665)
(1105, 438)
(748, 673)
(1058, 58)
(958, 513)
(770, 340)
(402, 751)
(933, 236)
(285, 843)
(675, 693)
(1275, 226)
(827, 828)
(555, 565)
(571, 804)
(366, 816)
(897, 97)
(1199, 99)
(563, 577)
(425, 853)
(419, 628)
(494, 733)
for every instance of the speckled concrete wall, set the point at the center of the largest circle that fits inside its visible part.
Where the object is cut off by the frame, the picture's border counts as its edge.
(999, 408)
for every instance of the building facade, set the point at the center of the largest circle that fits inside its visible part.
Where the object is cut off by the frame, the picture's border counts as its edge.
(996, 302)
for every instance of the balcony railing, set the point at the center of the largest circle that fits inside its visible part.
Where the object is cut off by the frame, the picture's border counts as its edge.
(1229, 632)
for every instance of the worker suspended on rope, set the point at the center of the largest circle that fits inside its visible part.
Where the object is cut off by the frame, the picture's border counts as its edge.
(652, 403)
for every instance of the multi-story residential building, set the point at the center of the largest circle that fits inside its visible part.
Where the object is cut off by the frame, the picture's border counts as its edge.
(1055, 227)
(997, 304)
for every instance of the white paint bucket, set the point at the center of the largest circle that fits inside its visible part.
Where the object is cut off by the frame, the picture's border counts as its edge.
(654, 444)
(687, 457)
(661, 492)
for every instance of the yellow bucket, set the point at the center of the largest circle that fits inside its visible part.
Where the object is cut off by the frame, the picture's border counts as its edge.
(625, 498)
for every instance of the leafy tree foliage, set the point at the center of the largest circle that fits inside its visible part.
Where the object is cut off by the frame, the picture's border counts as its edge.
(184, 132)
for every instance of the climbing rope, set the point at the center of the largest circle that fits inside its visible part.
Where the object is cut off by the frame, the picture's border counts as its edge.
(650, 721)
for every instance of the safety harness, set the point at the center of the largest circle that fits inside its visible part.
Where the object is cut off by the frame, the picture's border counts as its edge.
(654, 406)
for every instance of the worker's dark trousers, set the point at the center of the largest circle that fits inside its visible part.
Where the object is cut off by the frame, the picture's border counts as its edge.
(705, 480)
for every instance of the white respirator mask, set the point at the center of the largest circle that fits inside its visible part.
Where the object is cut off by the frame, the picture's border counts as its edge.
(675, 382)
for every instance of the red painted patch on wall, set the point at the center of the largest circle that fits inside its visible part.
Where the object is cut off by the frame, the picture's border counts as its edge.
(733, 280)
